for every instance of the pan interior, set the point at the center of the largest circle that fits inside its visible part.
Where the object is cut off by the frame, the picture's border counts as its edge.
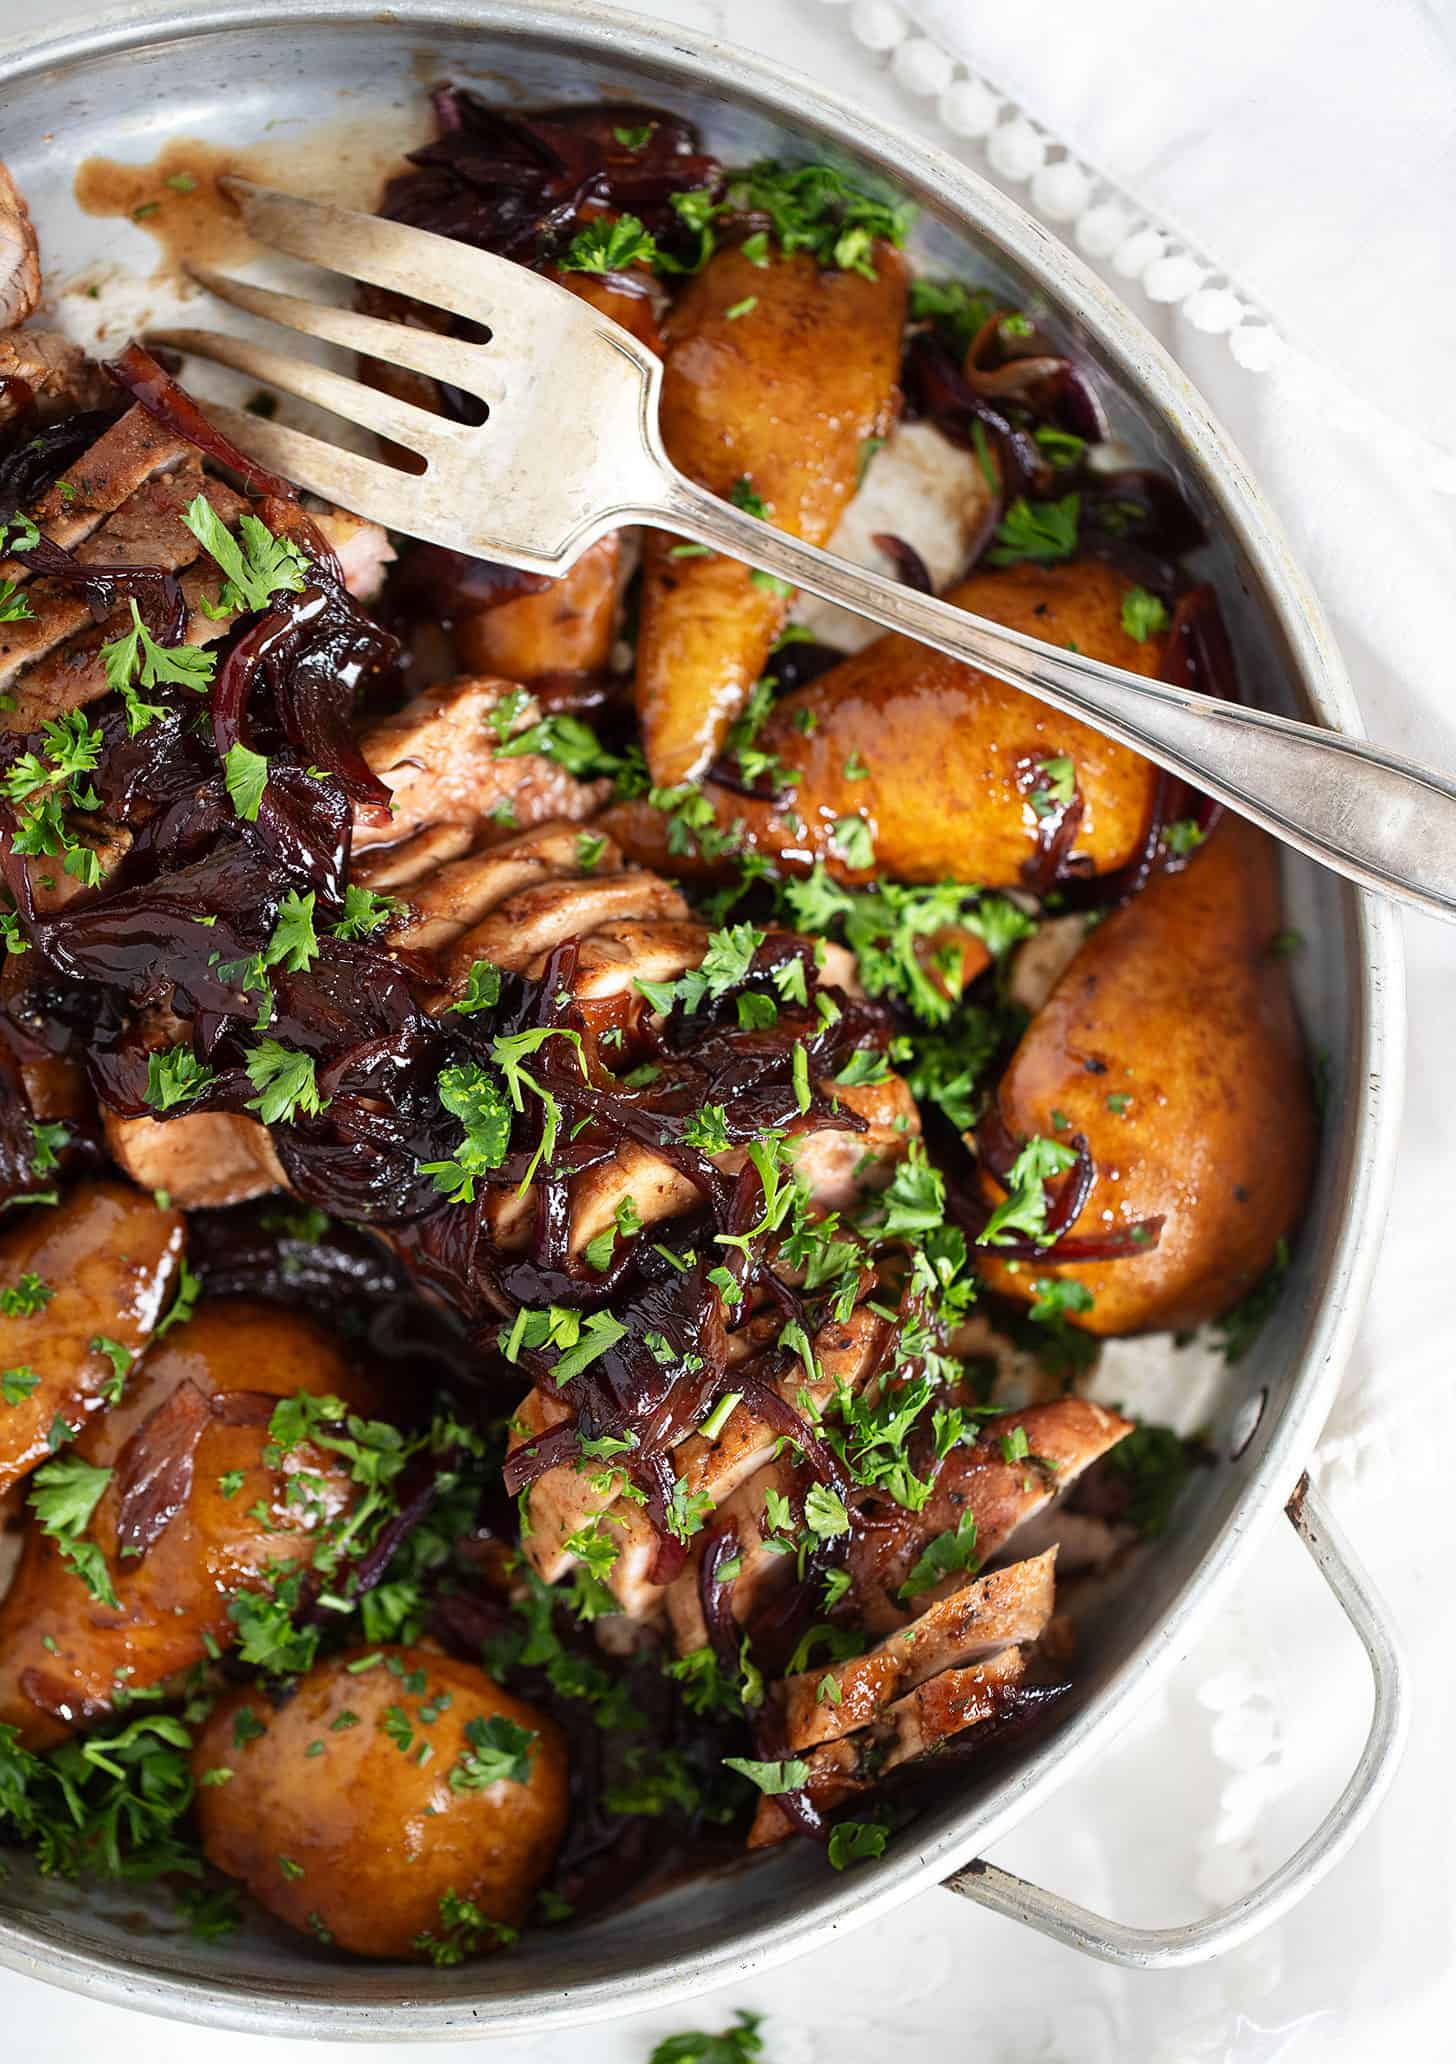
(230, 84)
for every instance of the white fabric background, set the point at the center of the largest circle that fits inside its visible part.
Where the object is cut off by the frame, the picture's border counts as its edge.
(1306, 146)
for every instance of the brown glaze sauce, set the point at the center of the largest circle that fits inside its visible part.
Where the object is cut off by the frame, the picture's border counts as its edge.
(176, 197)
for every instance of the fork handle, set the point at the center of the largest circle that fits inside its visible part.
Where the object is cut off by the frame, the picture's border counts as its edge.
(1371, 815)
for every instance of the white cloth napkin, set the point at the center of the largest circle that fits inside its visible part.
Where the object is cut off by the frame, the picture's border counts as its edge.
(1294, 165)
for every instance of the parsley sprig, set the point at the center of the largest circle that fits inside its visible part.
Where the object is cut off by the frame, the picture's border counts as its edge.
(44, 786)
(135, 659)
(256, 564)
(64, 1493)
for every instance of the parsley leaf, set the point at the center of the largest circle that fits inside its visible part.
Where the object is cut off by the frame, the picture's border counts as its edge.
(23, 1299)
(1142, 614)
(1041, 532)
(1240, 1326)
(294, 942)
(787, 1775)
(363, 914)
(739, 2044)
(1023, 1209)
(64, 1494)
(945, 1556)
(286, 1082)
(482, 988)
(471, 1094)
(257, 565)
(137, 657)
(957, 310)
(500, 1751)
(175, 1076)
(853, 1841)
(854, 841)
(14, 604)
(16, 1385)
(1157, 1460)
(610, 247)
(246, 774)
(1183, 836)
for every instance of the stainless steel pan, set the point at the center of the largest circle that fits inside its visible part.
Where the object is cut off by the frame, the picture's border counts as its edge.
(121, 86)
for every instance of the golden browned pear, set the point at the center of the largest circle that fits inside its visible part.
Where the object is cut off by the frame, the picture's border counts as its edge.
(939, 759)
(566, 628)
(1172, 1045)
(398, 1801)
(775, 375)
(194, 1508)
(82, 1284)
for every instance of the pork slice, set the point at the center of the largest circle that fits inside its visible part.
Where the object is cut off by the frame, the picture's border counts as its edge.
(558, 1502)
(578, 1498)
(19, 256)
(463, 891)
(55, 378)
(54, 659)
(916, 1725)
(840, 1168)
(202, 1159)
(1002, 1496)
(520, 932)
(56, 615)
(387, 869)
(1007, 1607)
(132, 451)
(362, 549)
(621, 954)
(51, 887)
(655, 1187)
(762, 1570)
(439, 759)
(565, 1499)
(846, 1354)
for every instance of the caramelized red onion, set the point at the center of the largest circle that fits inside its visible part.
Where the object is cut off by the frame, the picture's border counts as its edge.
(909, 566)
(138, 374)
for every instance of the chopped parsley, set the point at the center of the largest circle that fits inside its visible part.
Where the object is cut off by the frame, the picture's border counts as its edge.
(1142, 615)
(286, 1082)
(1036, 532)
(1240, 1326)
(44, 786)
(772, 1778)
(1183, 836)
(135, 658)
(1157, 1461)
(604, 247)
(246, 775)
(175, 1076)
(256, 564)
(499, 1752)
(363, 914)
(947, 1555)
(64, 1494)
(856, 1841)
(854, 841)
(464, 1931)
(294, 943)
(482, 990)
(23, 1299)
(1024, 1208)
(14, 604)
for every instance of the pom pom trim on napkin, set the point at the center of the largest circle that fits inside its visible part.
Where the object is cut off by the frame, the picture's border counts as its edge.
(1106, 224)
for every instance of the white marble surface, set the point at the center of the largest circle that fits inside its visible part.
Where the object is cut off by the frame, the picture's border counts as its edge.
(1204, 1793)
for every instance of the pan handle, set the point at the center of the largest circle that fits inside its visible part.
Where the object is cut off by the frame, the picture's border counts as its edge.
(1161, 1949)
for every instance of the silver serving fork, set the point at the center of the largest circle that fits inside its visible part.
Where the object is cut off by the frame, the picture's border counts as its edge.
(570, 450)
